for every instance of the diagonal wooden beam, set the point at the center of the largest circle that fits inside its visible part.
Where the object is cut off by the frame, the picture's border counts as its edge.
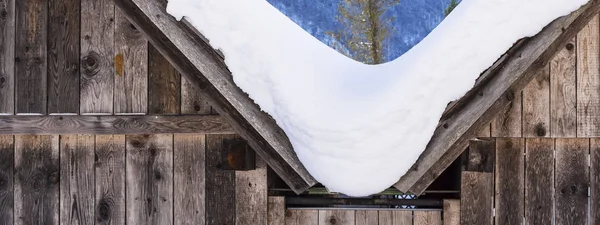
(492, 94)
(203, 67)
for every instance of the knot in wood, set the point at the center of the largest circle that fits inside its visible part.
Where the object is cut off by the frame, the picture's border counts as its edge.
(2, 81)
(540, 130)
(3, 13)
(332, 220)
(570, 46)
(90, 64)
(54, 177)
(104, 209)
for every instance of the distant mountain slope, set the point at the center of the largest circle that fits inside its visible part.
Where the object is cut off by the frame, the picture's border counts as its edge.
(414, 19)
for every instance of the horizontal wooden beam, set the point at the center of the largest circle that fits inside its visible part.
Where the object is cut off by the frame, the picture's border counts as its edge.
(211, 124)
(493, 93)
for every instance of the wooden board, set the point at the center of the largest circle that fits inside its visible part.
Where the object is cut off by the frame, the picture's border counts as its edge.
(220, 184)
(63, 56)
(276, 211)
(164, 84)
(476, 198)
(536, 105)
(31, 53)
(7, 161)
(192, 102)
(563, 93)
(77, 181)
(189, 162)
(572, 181)
(336, 217)
(452, 212)
(149, 179)
(37, 180)
(428, 217)
(97, 54)
(539, 183)
(302, 217)
(509, 178)
(595, 181)
(7, 56)
(368, 217)
(110, 179)
(403, 217)
(251, 195)
(508, 122)
(481, 155)
(588, 80)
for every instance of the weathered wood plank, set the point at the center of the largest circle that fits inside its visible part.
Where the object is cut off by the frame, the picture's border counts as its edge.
(63, 56)
(536, 105)
(7, 160)
(189, 162)
(77, 179)
(220, 184)
(428, 217)
(302, 217)
(509, 178)
(114, 124)
(539, 182)
(451, 212)
(481, 155)
(192, 102)
(588, 80)
(251, 194)
(97, 54)
(403, 217)
(508, 122)
(563, 94)
(276, 212)
(572, 181)
(476, 198)
(131, 68)
(164, 85)
(368, 217)
(110, 180)
(336, 217)
(595, 181)
(36, 180)
(31, 56)
(7, 56)
(503, 80)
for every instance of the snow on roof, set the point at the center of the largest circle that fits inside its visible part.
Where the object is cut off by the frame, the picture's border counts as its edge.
(358, 128)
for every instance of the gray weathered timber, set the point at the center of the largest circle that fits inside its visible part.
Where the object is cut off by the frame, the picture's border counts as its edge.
(192, 102)
(451, 212)
(7, 56)
(31, 56)
(505, 79)
(63, 56)
(508, 122)
(536, 105)
(595, 181)
(212, 124)
(336, 217)
(588, 80)
(97, 55)
(7, 161)
(385, 217)
(368, 217)
(220, 184)
(36, 180)
(509, 178)
(402, 217)
(481, 155)
(251, 193)
(189, 179)
(539, 184)
(427, 217)
(149, 179)
(77, 180)
(276, 213)
(204, 68)
(131, 68)
(164, 84)
(476, 198)
(563, 93)
(302, 217)
(110, 180)
(572, 181)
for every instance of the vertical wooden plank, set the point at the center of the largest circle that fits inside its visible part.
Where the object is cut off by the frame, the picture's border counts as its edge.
(276, 213)
(191, 101)
(149, 190)
(131, 67)
(7, 56)
(386, 217)
(251, 195)
(220, 184)
(572, 181)
(336, 217)
(368, 217)
(36, 180)
(164, 85)
(110, 180)
(77, 179)
(509, 177)
(428, 217)
(63, 56)
(486, 131)
(508, 123)
(536, 105)
(481, 155)
(189, 162)
(476, 198)
(301, 217)
(6, 179)
(404, 217)
(97, 54)
(595, 181)
(452, 212)
(30, 61)
(539, 182)
(563, 94)
(588, 80)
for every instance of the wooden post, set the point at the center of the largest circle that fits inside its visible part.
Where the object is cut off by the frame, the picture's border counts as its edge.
(477, 183)
(509, 179)
(539, 181)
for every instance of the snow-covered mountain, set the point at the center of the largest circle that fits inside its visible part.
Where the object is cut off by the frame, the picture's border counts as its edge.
(414, 19)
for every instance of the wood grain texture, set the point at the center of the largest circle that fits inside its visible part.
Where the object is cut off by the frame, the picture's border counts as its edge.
(251, 194)
(508, 122)
(189, 162)
(572, 181)
(192, 101)
(481, 155)
(164, 85)
(131, 67)
(536, 105)
(77, 191)
(37, 180)
(276, 212)
(428, 217)
(336, 217)
(509, 179)
(385, 217)
(451, 212)
(563, 93)
(588, 80)
(149, 179)
(368, 217)
(539, 181)
(595, 181)
(476, 198)
(220, 184)
(110, 180)
(403, 217)
(7, 160)
(114, 124)
(31, 56)
(63, 56)
(97, 54)
(7, 56)
(302, 217)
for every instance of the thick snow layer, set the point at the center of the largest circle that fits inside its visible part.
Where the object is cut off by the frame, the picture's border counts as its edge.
(358, 128)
